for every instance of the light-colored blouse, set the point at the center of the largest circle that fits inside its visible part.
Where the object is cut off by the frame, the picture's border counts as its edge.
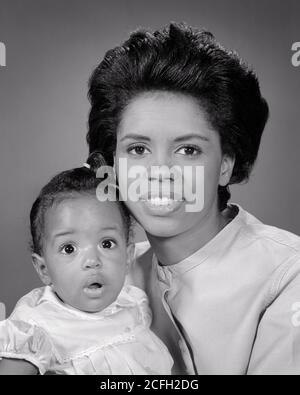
(234, 303)
(58, 338)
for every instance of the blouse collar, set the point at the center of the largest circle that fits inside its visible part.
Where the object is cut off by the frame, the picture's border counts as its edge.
(221, 241)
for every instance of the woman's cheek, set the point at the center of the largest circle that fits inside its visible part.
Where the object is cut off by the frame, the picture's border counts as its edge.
(132, 180)
(211, 183)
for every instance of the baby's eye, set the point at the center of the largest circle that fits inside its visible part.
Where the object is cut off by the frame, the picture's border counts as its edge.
(189, 150)
(138, 149)
(108, 244)
(67, 249)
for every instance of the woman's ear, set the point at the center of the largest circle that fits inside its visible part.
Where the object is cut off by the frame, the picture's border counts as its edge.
(227, 166)
(114, 167)
(41, 269)
(130, 256)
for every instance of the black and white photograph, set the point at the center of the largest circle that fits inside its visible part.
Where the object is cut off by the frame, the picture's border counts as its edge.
(150, 189)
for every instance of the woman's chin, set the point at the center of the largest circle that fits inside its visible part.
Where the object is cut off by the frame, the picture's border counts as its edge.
(159, 220)
(162, 227)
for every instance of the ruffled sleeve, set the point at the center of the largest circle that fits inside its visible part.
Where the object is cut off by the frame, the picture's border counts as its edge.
(142, 302)
(22, 340)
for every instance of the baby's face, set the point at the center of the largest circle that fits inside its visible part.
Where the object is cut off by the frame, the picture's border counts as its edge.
(85, 252)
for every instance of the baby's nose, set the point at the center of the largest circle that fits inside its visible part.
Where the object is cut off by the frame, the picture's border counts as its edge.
(92, 259)
(93, 263)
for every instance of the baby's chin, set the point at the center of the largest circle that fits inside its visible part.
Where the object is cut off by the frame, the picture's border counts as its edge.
(93, 311)
(89, 307)
(93, 307)
(90, 299)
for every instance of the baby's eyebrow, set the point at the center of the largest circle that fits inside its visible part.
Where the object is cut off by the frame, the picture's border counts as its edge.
(64, 233)
(72, 232)
(110, 228)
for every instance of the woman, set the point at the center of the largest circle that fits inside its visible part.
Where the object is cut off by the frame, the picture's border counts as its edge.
(228, 283)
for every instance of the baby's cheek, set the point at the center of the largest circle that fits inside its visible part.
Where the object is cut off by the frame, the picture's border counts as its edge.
(68, 284)
(118, 269)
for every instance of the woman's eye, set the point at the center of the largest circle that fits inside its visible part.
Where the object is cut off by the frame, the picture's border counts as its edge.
(108, 244)
(189, 150)
(138, 150)
(68, 249)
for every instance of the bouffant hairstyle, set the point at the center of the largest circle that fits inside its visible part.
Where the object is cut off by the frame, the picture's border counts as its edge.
(66, 185)
(189, 61)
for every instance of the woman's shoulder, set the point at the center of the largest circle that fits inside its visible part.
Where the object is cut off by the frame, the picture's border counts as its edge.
(276, 249)
(269, 234)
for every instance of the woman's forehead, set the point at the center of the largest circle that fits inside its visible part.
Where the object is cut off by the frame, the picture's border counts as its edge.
(161, 115)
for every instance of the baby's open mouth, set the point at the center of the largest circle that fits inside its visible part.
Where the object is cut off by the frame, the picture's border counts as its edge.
(93, 289)
(95, 286)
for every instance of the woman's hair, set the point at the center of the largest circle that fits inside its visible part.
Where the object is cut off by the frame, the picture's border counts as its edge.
(188, 61)
(67, 185)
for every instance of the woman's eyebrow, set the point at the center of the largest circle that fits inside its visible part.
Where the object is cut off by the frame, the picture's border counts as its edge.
(185, 137)
(190, 137)
(134, 136)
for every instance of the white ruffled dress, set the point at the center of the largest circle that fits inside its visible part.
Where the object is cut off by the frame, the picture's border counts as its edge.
(60, 339)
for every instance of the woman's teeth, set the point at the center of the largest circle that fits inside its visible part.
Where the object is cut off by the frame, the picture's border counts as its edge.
(162, 204)
(160, 201)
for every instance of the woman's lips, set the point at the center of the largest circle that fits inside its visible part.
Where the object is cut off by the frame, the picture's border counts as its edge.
(161, 205)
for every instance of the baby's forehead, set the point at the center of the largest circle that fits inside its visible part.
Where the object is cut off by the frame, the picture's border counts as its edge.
(84, 213)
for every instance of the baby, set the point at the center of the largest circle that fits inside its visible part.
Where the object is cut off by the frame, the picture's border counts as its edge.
(85, 320)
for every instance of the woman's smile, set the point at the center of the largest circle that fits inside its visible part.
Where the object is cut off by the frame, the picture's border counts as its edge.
(161, 205)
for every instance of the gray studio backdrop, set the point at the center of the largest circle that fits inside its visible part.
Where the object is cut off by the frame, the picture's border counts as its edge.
(51, 49)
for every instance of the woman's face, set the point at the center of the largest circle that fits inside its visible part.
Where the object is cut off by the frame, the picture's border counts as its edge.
(167, 129)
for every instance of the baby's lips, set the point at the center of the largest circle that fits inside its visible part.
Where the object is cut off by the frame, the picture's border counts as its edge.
(93, 281)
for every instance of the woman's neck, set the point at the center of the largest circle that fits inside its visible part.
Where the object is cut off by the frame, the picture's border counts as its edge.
(171, 250)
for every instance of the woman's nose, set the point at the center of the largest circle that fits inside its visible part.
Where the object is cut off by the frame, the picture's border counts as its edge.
(161, 156)
(160, 173)
(159, 168)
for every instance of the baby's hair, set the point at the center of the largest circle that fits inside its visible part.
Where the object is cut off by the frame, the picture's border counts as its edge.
(67, 185)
